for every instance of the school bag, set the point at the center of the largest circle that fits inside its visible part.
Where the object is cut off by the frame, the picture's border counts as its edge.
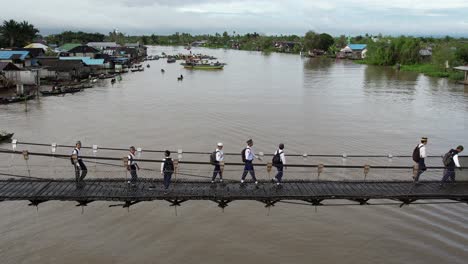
(243, 155)
(213, 160)
(448, 157)
(168, 165)
(417, 153)
(276, 160)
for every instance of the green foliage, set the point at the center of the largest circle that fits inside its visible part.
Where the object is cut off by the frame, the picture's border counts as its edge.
(17, 34)
(74, 37)
(433, 71)
(389, 51)
(462, 53)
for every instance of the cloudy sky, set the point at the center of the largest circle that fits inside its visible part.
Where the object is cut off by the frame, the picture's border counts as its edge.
(350, 17)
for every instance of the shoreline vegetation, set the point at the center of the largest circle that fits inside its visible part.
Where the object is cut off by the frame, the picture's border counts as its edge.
(432, 56)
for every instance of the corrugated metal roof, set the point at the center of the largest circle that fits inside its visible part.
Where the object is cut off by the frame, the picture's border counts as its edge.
(357, 46)
(86, 60)
(461, 68)
(68, 46)
(18, 54)
(103, 44)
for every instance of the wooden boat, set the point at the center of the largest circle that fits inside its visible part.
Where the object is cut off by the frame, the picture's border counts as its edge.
(5, 136)
(203, 66)
(106, 76)
(59, 91)
(16, 99)
(171, 60)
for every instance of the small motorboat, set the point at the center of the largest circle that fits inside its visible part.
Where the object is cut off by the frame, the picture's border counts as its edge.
(4, 136)
(147, 66)
(171, 60)
(163, 71)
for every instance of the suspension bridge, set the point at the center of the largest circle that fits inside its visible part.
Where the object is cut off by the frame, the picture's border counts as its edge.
(50, 178)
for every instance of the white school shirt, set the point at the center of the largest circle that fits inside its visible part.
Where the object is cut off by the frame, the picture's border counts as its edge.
(77, 153)
(457, 162)
(422, 151)
(219, 155)
(249, 154)
(131, 159)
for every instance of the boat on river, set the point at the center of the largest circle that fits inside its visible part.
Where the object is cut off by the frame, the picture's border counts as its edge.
(61, 91)
(203, 65)
(171, 60)
(16, 99)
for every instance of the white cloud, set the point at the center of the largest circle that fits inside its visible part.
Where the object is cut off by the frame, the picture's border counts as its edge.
(274, 16)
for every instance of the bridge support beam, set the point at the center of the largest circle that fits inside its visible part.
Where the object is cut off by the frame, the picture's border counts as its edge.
(222, 203)
(176, 202)
(315, 202)
(84, 202)
(269, 202)
(36, 202)
(406, 201)
(127, 204)
(361, 201)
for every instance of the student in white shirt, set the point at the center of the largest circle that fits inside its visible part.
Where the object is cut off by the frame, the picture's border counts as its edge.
(449, 171)
(422, 156)
(248, 157)
(219, 156)
(132, 166)
(78, 163)
(279, 160)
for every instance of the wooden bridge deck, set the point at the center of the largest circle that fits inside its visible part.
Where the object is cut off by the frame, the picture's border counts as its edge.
(38, 191)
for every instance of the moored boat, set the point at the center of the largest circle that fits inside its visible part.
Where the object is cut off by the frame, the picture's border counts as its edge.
(61, 91)
(16, 99)
(203, 66)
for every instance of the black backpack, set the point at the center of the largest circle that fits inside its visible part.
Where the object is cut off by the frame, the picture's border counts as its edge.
(243, 155)
(277, 159)
(448, 158)
(213, 160)
(417, 153)
(168, 165)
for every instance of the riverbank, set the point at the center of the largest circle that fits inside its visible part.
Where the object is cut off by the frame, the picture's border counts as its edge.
(428, 69)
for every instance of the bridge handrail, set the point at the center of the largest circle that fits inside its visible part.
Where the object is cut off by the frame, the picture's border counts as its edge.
(226, 163)
(234, 154)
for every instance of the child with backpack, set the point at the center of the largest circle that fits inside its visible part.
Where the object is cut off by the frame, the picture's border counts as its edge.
(279, 160)
(247, 157)
(450, 160)
(419, 155)
(167, 169)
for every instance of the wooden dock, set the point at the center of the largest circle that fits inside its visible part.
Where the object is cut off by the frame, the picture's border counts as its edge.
(313, 192)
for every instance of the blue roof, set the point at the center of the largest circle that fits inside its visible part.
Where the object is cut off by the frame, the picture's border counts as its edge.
(6, 54)
(86, 60)
(357, 46)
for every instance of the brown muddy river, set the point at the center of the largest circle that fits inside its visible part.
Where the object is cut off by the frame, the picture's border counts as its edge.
(317, 106)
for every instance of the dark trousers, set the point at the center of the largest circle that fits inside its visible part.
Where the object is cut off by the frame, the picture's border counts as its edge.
(82, 168)
(249, 168)
(449, 175)
(133, 174)
(421, 169)
(279, 175)
(217, 170)
(167, 179)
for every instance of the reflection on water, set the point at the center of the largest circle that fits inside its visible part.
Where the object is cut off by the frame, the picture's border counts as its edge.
(312, 105)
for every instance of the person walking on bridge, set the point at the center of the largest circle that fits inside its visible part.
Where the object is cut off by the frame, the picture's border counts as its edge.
(132, 167)
(216, 157)
(419, 156)
(451, 161)
(167, 169)
(248, 155)
(279, 160)
(78, 163)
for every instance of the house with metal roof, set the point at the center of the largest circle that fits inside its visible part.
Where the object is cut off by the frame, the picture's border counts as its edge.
(54, 68)
(67, 46)
(103, 45)
(86, 60)
(20, 58)
(82, 51)
(353, 51)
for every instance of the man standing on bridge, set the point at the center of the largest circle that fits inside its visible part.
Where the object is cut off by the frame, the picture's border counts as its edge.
(419, 156)
(248, 155)
(450, 162)
(132, 166)
(78, 163)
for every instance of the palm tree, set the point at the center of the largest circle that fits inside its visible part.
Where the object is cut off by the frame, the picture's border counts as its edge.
(18, 34)
(10, 31)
